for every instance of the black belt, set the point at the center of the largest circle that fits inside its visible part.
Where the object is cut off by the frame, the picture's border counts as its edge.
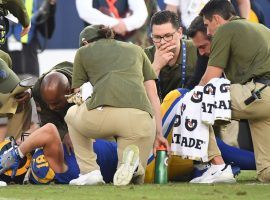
(262, 81)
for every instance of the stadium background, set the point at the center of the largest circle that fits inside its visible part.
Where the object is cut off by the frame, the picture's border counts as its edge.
(63, 44)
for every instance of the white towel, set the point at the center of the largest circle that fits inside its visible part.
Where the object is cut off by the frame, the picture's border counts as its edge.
(208, 104)
(223, 101)
(86, 90)
(190, 136)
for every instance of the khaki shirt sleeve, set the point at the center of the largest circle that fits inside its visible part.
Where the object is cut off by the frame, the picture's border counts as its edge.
(5, 57)
(148, 71)
(17, 8)
(79, 73)
(150, 52)
(220, 49)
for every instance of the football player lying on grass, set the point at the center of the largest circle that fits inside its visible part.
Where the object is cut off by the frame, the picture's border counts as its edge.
(51, 162)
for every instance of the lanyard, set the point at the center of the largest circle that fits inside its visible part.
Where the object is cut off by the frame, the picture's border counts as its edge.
(184, 63)
(183, 70)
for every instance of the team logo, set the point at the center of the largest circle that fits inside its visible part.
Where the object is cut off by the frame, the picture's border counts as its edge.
(191, 124)
(197, 97)
(3, 74)
(177, 121)
(209, 89)
(225, 87)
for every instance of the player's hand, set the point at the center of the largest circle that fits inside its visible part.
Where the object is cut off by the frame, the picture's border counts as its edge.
(163, 55)
(67, 142)
(75, 98)
(23, 97)
(26, 30)
(160, 140)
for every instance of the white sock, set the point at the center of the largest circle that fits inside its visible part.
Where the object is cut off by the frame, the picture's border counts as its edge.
(20, 153)
(221, 166)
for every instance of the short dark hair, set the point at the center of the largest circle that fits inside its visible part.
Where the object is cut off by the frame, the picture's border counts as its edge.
(163, 17)
(219, 7)
(196, 26)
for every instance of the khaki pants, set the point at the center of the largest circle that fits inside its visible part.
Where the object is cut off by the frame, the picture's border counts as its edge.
(20, 122)
(128, 125)
(229, 133)
(258, 115)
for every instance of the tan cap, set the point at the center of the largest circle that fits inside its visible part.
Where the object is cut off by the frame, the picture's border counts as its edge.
(88, 33)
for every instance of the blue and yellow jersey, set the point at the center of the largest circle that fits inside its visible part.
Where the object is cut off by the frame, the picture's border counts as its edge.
(178, 168)
(41, 172)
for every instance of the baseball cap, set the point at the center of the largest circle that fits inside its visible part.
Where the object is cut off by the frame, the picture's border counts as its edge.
(10, 85)
(89, 33)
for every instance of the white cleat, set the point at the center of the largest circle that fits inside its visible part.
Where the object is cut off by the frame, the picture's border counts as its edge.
(130, 163)
(3, 184)
(216, 174)
(91, 178)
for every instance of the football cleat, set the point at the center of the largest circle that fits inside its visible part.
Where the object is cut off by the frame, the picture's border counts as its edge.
(216, 174)
(127, 168)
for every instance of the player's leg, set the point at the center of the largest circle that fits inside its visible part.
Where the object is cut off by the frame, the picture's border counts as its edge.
(48, 138)
(107, 158)
(238, 157)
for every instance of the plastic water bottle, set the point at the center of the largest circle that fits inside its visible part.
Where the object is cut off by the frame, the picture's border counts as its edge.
(161, 166)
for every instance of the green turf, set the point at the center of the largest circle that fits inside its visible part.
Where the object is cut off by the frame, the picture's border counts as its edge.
(246, 188)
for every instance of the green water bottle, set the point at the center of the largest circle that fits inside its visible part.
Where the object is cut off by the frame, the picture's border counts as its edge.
(161, 166)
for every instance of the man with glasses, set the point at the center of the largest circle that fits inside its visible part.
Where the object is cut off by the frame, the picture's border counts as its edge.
(172, 57)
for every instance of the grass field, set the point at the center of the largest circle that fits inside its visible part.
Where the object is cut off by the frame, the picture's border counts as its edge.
(246, 188)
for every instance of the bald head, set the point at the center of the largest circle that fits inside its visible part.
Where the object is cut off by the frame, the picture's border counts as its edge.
(53, 89)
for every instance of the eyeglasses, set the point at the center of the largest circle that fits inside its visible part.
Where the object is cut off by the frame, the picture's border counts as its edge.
(167, 37)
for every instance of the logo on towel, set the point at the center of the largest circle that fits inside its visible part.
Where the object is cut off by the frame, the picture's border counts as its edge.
(197, 97)
(177, 121)
(209, 89)
(208, 107)
(187, 142)
(225, 87)
(223, 104)
(191, 124)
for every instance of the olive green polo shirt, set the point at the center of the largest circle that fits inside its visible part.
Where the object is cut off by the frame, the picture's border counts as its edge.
(170, 77)
(46, 115)
(17, 8)
(242, 49)
(117, 70)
